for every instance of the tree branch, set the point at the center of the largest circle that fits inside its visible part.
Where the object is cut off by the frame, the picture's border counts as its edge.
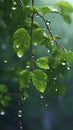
(51, 34)
(31, 32)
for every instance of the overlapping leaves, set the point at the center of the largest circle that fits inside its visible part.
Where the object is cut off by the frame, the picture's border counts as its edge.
(43, 63)
(4, 97)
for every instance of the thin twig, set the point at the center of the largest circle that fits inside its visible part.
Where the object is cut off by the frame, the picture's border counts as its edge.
(31, 33)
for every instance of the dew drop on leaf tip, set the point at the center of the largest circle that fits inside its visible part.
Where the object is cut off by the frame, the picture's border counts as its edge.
(20, 56)
(41, 96)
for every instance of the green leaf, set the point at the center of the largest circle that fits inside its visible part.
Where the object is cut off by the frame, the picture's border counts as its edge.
(3, 88)
(21, 41)
(66, 17)
(48, 9)
(38, 35)
(24, 79)
(66, 9)
(65, 6)
(39, 79)
(5, 100)
(25, 2)
(42, 63)
(57, 37)
(30, 9)
(47, 42)
(1, 13)
(68, 55)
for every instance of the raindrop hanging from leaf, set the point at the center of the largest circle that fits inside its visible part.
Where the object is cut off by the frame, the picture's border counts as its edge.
(21, 41)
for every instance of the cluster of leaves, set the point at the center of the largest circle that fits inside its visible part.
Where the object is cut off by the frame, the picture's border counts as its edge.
(4, 97)
(25, 35)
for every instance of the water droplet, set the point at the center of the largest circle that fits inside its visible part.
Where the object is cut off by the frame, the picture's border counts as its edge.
(48, 51)
(41, 96)
(20, 55)
(63, 63)
(32, 56)
(2, 113)
(46, 105)
(5, 61)
(21, 127)
(19, 113)
(56, 89)
(47, 23)
(14, 3)
(23, 99)
(17, 46)
(55, 78)
(44, 34)
(27, 66)
(68, 68)
(14, 8)
(35, 44)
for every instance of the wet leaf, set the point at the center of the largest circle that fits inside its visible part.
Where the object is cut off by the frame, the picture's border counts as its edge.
(66, 10)
(21, 41)
(38, 35)
(3, 88)
(65, 6)
(24, 78)
(42, 63)
(47, 9)
(39, 79)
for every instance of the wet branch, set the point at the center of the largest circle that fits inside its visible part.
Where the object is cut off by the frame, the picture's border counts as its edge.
(51, 34)
(31, 32)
